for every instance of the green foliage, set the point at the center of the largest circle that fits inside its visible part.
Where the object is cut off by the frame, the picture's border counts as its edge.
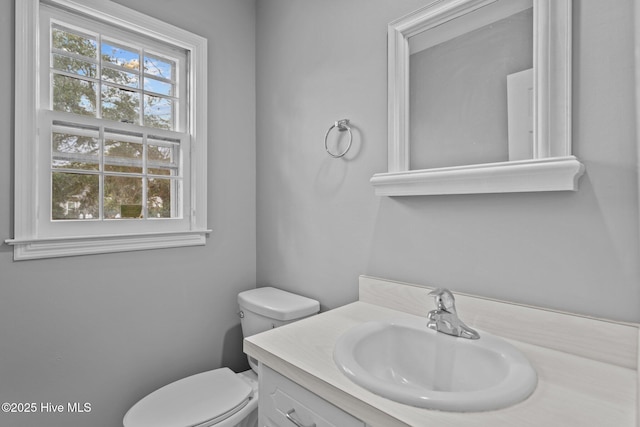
(74, 196)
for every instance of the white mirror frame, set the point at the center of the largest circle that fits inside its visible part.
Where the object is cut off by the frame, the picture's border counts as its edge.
(552, 168)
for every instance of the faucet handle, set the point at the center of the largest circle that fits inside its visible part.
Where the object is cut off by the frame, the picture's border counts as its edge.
(444, 300)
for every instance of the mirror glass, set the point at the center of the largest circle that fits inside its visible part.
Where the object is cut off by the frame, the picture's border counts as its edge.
(471, 88)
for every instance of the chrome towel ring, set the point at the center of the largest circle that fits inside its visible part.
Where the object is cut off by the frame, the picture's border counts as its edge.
(342, 126)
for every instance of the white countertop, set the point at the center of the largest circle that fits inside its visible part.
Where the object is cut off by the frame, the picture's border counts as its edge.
(572, 390)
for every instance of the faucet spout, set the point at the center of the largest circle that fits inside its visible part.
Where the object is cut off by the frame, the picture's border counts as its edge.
(445, 317)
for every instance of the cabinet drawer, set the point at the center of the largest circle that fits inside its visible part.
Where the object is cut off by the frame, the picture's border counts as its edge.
(283, 403)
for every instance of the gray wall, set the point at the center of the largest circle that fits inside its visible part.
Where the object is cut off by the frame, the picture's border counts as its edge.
(108, 329)
(319, 224)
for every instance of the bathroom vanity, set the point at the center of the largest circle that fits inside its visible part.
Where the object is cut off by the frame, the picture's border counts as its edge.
(587, 368)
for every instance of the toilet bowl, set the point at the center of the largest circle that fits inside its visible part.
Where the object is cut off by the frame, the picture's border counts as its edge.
(220, 397)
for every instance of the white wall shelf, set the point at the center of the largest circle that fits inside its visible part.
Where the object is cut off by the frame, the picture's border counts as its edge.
(552, 174)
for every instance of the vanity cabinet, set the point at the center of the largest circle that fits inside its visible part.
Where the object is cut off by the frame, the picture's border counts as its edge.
(284, 403)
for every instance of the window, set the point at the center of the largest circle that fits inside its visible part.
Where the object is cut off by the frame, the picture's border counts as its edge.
(110, 113)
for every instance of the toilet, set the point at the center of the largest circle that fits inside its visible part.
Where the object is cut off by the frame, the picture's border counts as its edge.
(220, 397)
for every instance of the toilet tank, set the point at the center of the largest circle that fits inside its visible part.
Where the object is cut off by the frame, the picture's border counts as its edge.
(265, 308)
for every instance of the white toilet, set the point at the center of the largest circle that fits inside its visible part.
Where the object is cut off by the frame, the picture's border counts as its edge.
(222, 398)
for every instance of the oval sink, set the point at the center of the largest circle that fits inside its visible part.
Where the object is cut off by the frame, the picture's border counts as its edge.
(407, 362)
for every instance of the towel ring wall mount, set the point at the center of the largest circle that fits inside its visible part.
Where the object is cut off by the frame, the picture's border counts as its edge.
(342, 126)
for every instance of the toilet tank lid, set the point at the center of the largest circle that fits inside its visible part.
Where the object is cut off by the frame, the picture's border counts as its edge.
(277, 304)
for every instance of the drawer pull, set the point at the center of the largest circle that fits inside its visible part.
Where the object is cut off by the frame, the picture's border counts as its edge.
(296, 422)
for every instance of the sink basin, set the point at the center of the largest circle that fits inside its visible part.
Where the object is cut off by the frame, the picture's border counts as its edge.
(407, 362)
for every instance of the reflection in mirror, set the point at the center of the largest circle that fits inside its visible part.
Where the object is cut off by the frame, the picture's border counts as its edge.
(471, 89)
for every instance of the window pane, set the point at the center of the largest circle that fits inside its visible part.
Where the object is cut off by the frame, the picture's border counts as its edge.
(162, 152)
(119, 55)
(157, 86)
(75, 148)
(74, 196)
(74, 95)
(75, 66)
(155, 66)
(120, 77)
(160, 197)
(162, 157)
(158, 112)
(74, 43)
(120, 105)
(121, 154)
(122, 196)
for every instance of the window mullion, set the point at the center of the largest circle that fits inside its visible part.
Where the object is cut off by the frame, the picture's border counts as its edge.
(141, 80)
(73, 75)
(145, 174)
(159, 78)
(73, 55)
(99, 85)
(101, 170)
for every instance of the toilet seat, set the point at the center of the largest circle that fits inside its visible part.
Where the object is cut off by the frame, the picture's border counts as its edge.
(200, 400)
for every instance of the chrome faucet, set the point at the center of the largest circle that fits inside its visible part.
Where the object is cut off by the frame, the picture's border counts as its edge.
(445, 318)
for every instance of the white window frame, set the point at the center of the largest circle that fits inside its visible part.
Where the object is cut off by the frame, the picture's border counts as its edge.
(33, 237)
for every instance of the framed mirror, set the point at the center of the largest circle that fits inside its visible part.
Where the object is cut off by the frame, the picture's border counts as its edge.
(479, 99)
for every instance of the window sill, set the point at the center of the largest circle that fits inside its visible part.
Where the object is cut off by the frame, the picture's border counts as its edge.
(552, 174)
(25, 249)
